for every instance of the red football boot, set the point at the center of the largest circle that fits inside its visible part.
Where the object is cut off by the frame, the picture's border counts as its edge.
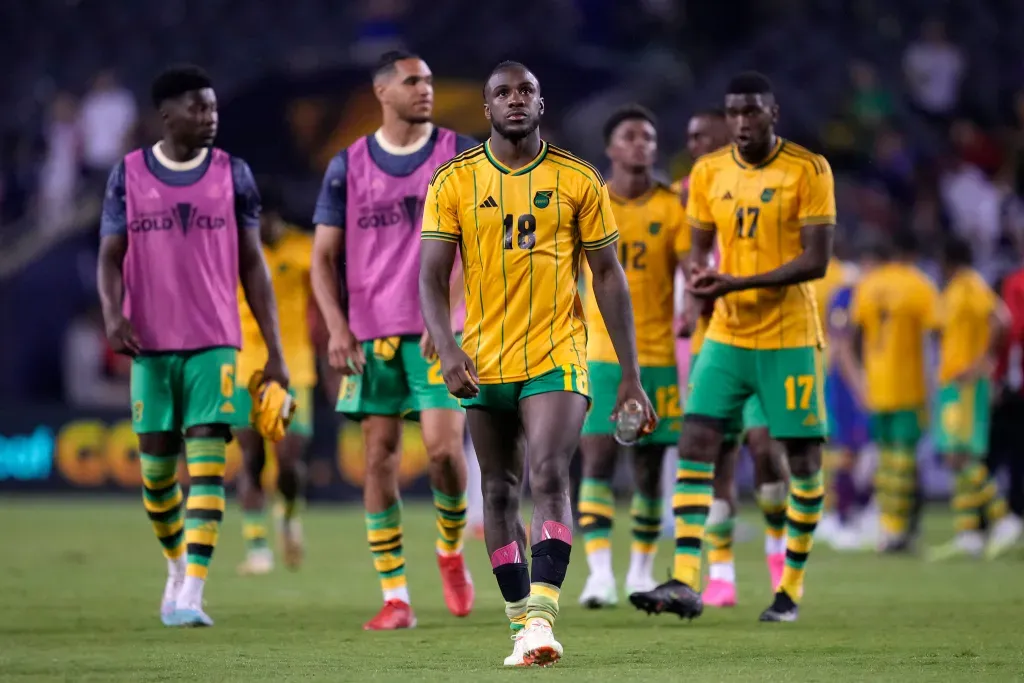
(458, 585)
(393, 615)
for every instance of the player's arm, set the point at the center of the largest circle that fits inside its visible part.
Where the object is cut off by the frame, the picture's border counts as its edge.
(253, 272)
(702, 236)
(681, 251)
(843, 334)
(441, 235)
(110, 268)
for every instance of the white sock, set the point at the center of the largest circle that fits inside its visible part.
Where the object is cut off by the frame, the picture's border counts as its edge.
(774, 546)
(176, 568)
(400, 594)
(191, 595)
(641, 564)
(722, 571)
(600, 562)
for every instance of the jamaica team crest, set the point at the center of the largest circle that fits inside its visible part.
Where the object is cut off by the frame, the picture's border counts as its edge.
(542, 198)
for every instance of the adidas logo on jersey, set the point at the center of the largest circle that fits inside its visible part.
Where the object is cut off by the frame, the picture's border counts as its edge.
(811, 420)
(489, 203)
(727, 195)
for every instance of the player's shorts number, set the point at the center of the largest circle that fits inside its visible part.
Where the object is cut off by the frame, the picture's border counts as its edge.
(526, 226)
(747, 228)
(667, 399)
(434, 375)
(631, 255)
(227, 380)
(799, 387)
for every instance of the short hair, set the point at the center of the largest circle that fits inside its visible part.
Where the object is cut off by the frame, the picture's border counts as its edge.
(957, 251)
(629, 112)
(749, 83)
(501, 66)
(177, 80)
(386, 62)
(710, 113)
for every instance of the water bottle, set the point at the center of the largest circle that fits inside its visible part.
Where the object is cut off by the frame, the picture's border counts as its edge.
(631, 420)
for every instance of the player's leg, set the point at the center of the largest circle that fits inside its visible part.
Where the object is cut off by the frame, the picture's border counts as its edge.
(1005, 523)
(208, 413)
(291, 477)
(552, 419)
(900, 505)
(791, 393)
(474, 491)
(771, 486)
(156, 419)
(259, 559)
(599, 454)
(443, 424)
(720, 383)
(720, 590)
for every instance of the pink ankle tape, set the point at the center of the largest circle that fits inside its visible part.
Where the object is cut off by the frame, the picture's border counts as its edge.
(555, 531)
(508, 554)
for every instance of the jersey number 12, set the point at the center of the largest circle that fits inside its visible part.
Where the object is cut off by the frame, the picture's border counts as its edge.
(526, 227)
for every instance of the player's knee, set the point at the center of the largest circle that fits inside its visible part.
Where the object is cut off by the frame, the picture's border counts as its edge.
(804, 457)
(647, 462)
(442, 451)
(160, 443)
(699, 441)
(212, 431)
(596, 458)
(549, 477)
(500, 493)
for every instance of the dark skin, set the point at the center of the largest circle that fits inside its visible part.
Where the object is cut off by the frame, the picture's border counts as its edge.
(190, 126)
(550, 422)
(633, 150)
(751, 119)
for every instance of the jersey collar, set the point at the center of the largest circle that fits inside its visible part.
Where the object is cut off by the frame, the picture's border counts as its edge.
(519, 171)
(779, 144)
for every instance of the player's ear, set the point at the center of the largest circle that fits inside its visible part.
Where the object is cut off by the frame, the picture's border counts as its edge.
(541, 110)
(487, 112)
(379, 86)
(775, 114)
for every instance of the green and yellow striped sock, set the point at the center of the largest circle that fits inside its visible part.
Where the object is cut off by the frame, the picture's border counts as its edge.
(806, 503)
(384, 533)
(254, 529)
(967, 505)
(646, 513)
(691, 503)
(719, 539)
(205, 506)
(451, 521)
(162, 497)
(597, 508)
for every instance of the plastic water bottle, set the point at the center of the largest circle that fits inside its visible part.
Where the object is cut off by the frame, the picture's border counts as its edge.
(631, 420)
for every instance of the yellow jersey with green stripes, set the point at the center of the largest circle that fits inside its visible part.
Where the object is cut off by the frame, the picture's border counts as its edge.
(521, 233)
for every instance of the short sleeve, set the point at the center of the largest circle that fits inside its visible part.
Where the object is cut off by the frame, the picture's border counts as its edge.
(681, 242)
(698, 212)
(247, 196)
(858, 311)
(330, 203)
(594, 216)
(817, 194)
(441, 209)
(985, 299)
(464, 142)
(114, 220)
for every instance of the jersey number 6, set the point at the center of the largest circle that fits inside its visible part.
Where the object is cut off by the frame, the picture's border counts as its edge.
(527, 229)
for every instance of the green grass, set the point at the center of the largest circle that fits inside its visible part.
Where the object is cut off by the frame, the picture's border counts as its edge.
(80, 584)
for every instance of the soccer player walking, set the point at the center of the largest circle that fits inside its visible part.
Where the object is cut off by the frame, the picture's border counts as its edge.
(367, 219)
(180, 230)
(520, 211)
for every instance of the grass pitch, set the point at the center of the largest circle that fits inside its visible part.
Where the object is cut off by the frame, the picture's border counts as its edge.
(80, 583)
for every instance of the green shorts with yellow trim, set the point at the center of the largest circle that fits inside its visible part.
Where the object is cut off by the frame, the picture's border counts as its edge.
(964, 415)
(302, 420)
(173, 391)
(397, 381)
(661, 385)
(505, 397)
(896, 428)
(753, 415)
(787, 382)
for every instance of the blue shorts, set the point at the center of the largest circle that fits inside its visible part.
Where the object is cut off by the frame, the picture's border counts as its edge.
(848, 424)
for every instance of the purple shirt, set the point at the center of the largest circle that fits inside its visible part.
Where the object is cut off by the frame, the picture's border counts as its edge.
(181, 267)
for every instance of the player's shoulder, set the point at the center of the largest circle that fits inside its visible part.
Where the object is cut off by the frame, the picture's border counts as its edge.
(711, 162)
(466, 158)
(665, 198)
(566, 159)
(797, 155)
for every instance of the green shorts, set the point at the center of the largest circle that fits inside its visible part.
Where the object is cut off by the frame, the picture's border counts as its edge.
(302, 420)
(753, 414)
(506, 397)
(661, 385)
(896, 428)
(964, 414)
(787, 382)
(176, 390)
(397, 381)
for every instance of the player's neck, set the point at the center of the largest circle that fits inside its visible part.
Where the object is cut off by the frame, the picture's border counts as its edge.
(629, 184)
(515, 153)
(757, 156)
(179, 153)
(399, 133)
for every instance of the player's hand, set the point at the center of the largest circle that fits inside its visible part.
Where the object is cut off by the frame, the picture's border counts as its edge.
(427, 349)
(345, 353)
(276, 371)
(709, 284)
(631, 389)
(122, 337)
(460, 374)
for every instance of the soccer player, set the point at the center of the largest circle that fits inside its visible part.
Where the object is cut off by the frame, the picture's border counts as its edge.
(974, 324)
(895, 308)
(653, 240)
(180, 230)
(287, 251)
(521, 211)
(772, 206)
(367, 219)
(707, 132)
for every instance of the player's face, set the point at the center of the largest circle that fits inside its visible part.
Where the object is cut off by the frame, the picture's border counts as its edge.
(513, 103)
(750, 119)
(705, 134)
(410, 91)
(634, 144)
(192, 118)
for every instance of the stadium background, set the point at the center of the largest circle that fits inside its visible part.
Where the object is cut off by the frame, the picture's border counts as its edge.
(293, 89)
